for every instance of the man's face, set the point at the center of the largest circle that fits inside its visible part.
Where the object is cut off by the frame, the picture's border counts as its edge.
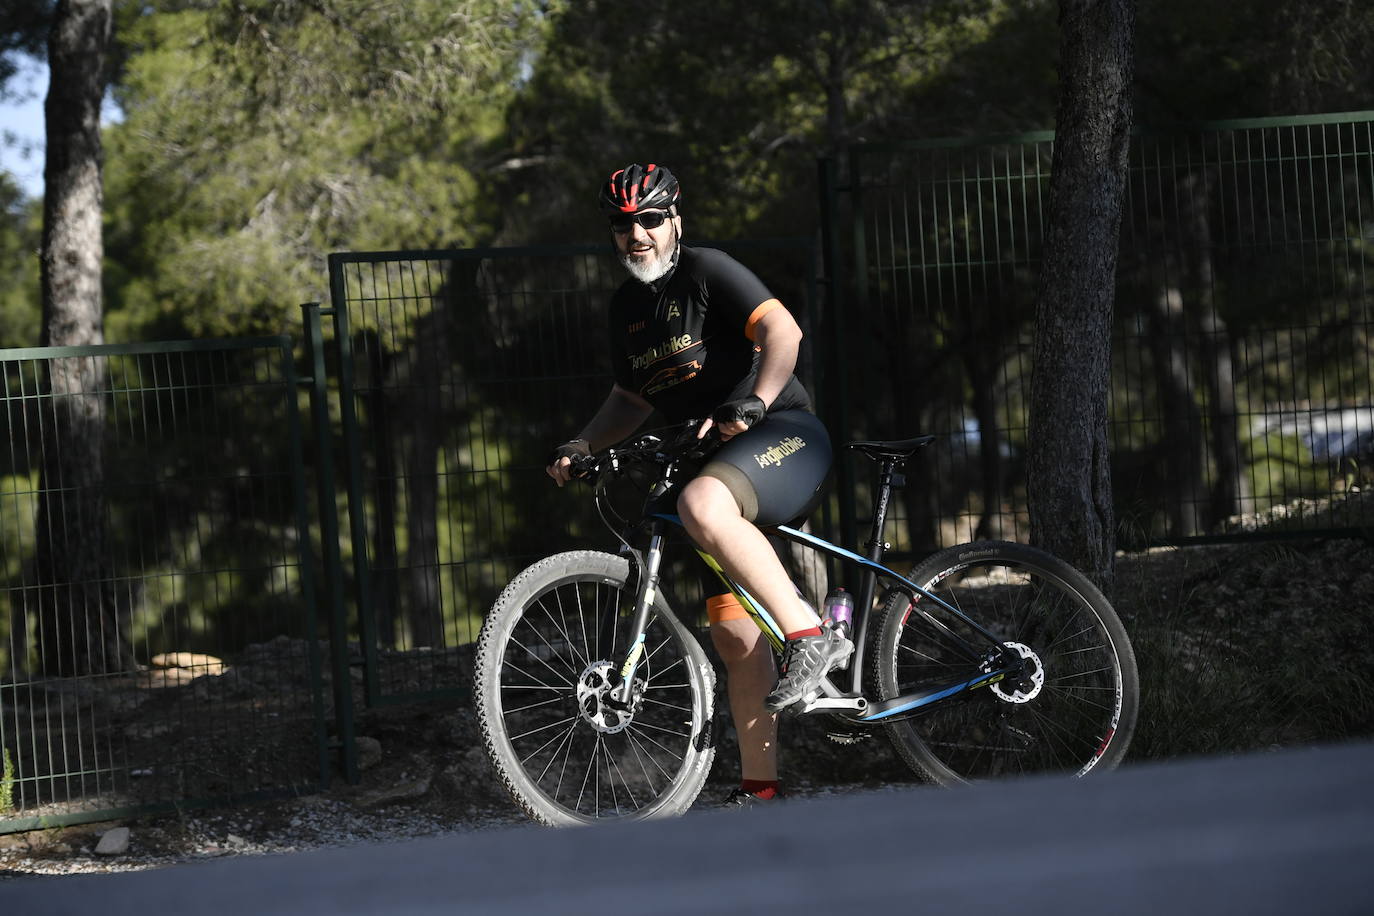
(646, 253)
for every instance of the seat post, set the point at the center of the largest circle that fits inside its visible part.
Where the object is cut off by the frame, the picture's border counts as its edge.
(888, 480)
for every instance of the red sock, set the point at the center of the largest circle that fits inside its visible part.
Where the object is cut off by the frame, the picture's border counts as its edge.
(760, 788)
(809, 631)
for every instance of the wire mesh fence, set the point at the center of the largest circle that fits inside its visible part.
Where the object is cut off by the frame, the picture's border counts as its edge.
(157, 642)
(158, 638)
(1241, 385)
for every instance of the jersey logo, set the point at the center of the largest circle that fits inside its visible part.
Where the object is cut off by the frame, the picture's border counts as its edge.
(636, 326)
(673, 375)
(673, 310)
(667, 348)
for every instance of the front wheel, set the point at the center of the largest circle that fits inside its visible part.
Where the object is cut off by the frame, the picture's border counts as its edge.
(1072, 711)
(547, 659)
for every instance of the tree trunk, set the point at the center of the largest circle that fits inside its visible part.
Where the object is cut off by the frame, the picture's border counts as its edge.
(1069, 476)
(79, 628)
(1230, 487)
(980, 367)
(1180, 415)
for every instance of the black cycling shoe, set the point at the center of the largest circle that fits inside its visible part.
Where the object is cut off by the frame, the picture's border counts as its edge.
(805, 662)
(742, 799)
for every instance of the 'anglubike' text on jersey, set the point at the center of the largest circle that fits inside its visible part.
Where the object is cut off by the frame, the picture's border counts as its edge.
(685, 343)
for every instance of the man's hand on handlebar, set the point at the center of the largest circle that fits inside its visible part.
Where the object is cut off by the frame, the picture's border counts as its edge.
(561, 463)
(733, 417)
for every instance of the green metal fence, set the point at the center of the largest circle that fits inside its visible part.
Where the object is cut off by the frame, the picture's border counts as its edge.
(157, 634)
(458, 371)
(1241, 388)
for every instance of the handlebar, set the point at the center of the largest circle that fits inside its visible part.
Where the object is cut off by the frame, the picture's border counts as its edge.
(682, 442)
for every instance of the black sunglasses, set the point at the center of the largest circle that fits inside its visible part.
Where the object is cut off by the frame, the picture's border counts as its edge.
(649, 219)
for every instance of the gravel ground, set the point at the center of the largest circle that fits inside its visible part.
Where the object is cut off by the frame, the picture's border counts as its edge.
(281, 827)
(430, 777)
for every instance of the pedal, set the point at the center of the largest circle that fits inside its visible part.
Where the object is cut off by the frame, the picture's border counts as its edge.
(830, 704)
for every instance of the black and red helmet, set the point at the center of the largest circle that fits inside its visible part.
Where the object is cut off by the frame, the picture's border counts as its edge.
(639, 187)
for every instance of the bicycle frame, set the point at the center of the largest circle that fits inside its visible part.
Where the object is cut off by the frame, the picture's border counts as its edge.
(994, 662)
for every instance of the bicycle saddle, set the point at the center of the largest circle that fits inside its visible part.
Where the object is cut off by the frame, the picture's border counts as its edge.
(900, 448)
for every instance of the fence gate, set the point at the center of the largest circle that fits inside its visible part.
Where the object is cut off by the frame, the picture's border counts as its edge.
(157, 630)
(457, 371)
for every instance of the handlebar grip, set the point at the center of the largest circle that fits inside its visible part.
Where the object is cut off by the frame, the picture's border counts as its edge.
(583, 465)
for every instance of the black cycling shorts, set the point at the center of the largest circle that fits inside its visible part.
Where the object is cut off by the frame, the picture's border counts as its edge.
(777, 469)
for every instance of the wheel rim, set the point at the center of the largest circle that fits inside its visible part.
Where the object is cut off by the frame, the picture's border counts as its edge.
(579, 752)
(1059, 716)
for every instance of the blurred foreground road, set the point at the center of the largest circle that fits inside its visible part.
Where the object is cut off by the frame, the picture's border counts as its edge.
(1290, 832)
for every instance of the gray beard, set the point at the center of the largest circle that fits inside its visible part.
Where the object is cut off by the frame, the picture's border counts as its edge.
(647, 271)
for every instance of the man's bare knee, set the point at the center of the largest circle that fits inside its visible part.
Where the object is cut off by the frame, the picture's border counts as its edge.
(704, 503)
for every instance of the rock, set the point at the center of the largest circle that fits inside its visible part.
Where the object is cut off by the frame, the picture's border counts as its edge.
(387, 795)
(369, 752)
(114, 842)
(206, 664)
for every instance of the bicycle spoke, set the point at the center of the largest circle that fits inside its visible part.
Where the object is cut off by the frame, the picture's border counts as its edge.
(660, 728)
(562, 630)
(541, 703)
(650, 738)
(565, 736)
(542, 728)
(540, 660)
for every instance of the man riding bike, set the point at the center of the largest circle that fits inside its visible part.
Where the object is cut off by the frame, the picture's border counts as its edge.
(694, 333)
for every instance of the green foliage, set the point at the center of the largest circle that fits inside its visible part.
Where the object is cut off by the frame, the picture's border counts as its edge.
(738, 98)
(19, 238)
(262, 136)
(7, 783)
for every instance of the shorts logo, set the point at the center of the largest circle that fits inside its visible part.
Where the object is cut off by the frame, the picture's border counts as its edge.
(773, 457)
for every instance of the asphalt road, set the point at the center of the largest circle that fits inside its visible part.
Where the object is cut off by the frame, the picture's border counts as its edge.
(1290, 832)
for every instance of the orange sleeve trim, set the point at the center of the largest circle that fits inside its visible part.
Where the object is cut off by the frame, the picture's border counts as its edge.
(751, 326)
(724, 607)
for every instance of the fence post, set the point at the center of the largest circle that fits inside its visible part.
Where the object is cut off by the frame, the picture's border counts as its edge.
(329, 546)
(835, 391)
(305, 554)
(357, 510)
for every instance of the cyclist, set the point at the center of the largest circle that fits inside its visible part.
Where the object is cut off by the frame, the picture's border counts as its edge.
(693, 333)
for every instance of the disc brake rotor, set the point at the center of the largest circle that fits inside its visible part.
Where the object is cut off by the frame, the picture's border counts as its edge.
(1028, 686)
(593, 690)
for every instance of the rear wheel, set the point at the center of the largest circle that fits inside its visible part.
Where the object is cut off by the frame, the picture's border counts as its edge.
(1072, 711)
(546, 663)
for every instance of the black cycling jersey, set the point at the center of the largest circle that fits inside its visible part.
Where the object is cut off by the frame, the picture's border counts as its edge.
(685, 342)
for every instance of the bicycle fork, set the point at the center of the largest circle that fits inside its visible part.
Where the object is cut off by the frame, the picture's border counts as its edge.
(621, 695)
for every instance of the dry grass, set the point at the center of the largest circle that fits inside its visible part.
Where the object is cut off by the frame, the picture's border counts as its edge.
(1245, 647)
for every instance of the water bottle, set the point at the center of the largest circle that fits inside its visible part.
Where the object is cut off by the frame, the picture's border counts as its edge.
(839, 612)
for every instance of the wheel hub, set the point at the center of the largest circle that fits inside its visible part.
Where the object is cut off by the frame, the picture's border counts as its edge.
(1031, 681)
(593, 699)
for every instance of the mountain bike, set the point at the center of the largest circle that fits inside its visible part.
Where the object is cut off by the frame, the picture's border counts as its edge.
(989, 659)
